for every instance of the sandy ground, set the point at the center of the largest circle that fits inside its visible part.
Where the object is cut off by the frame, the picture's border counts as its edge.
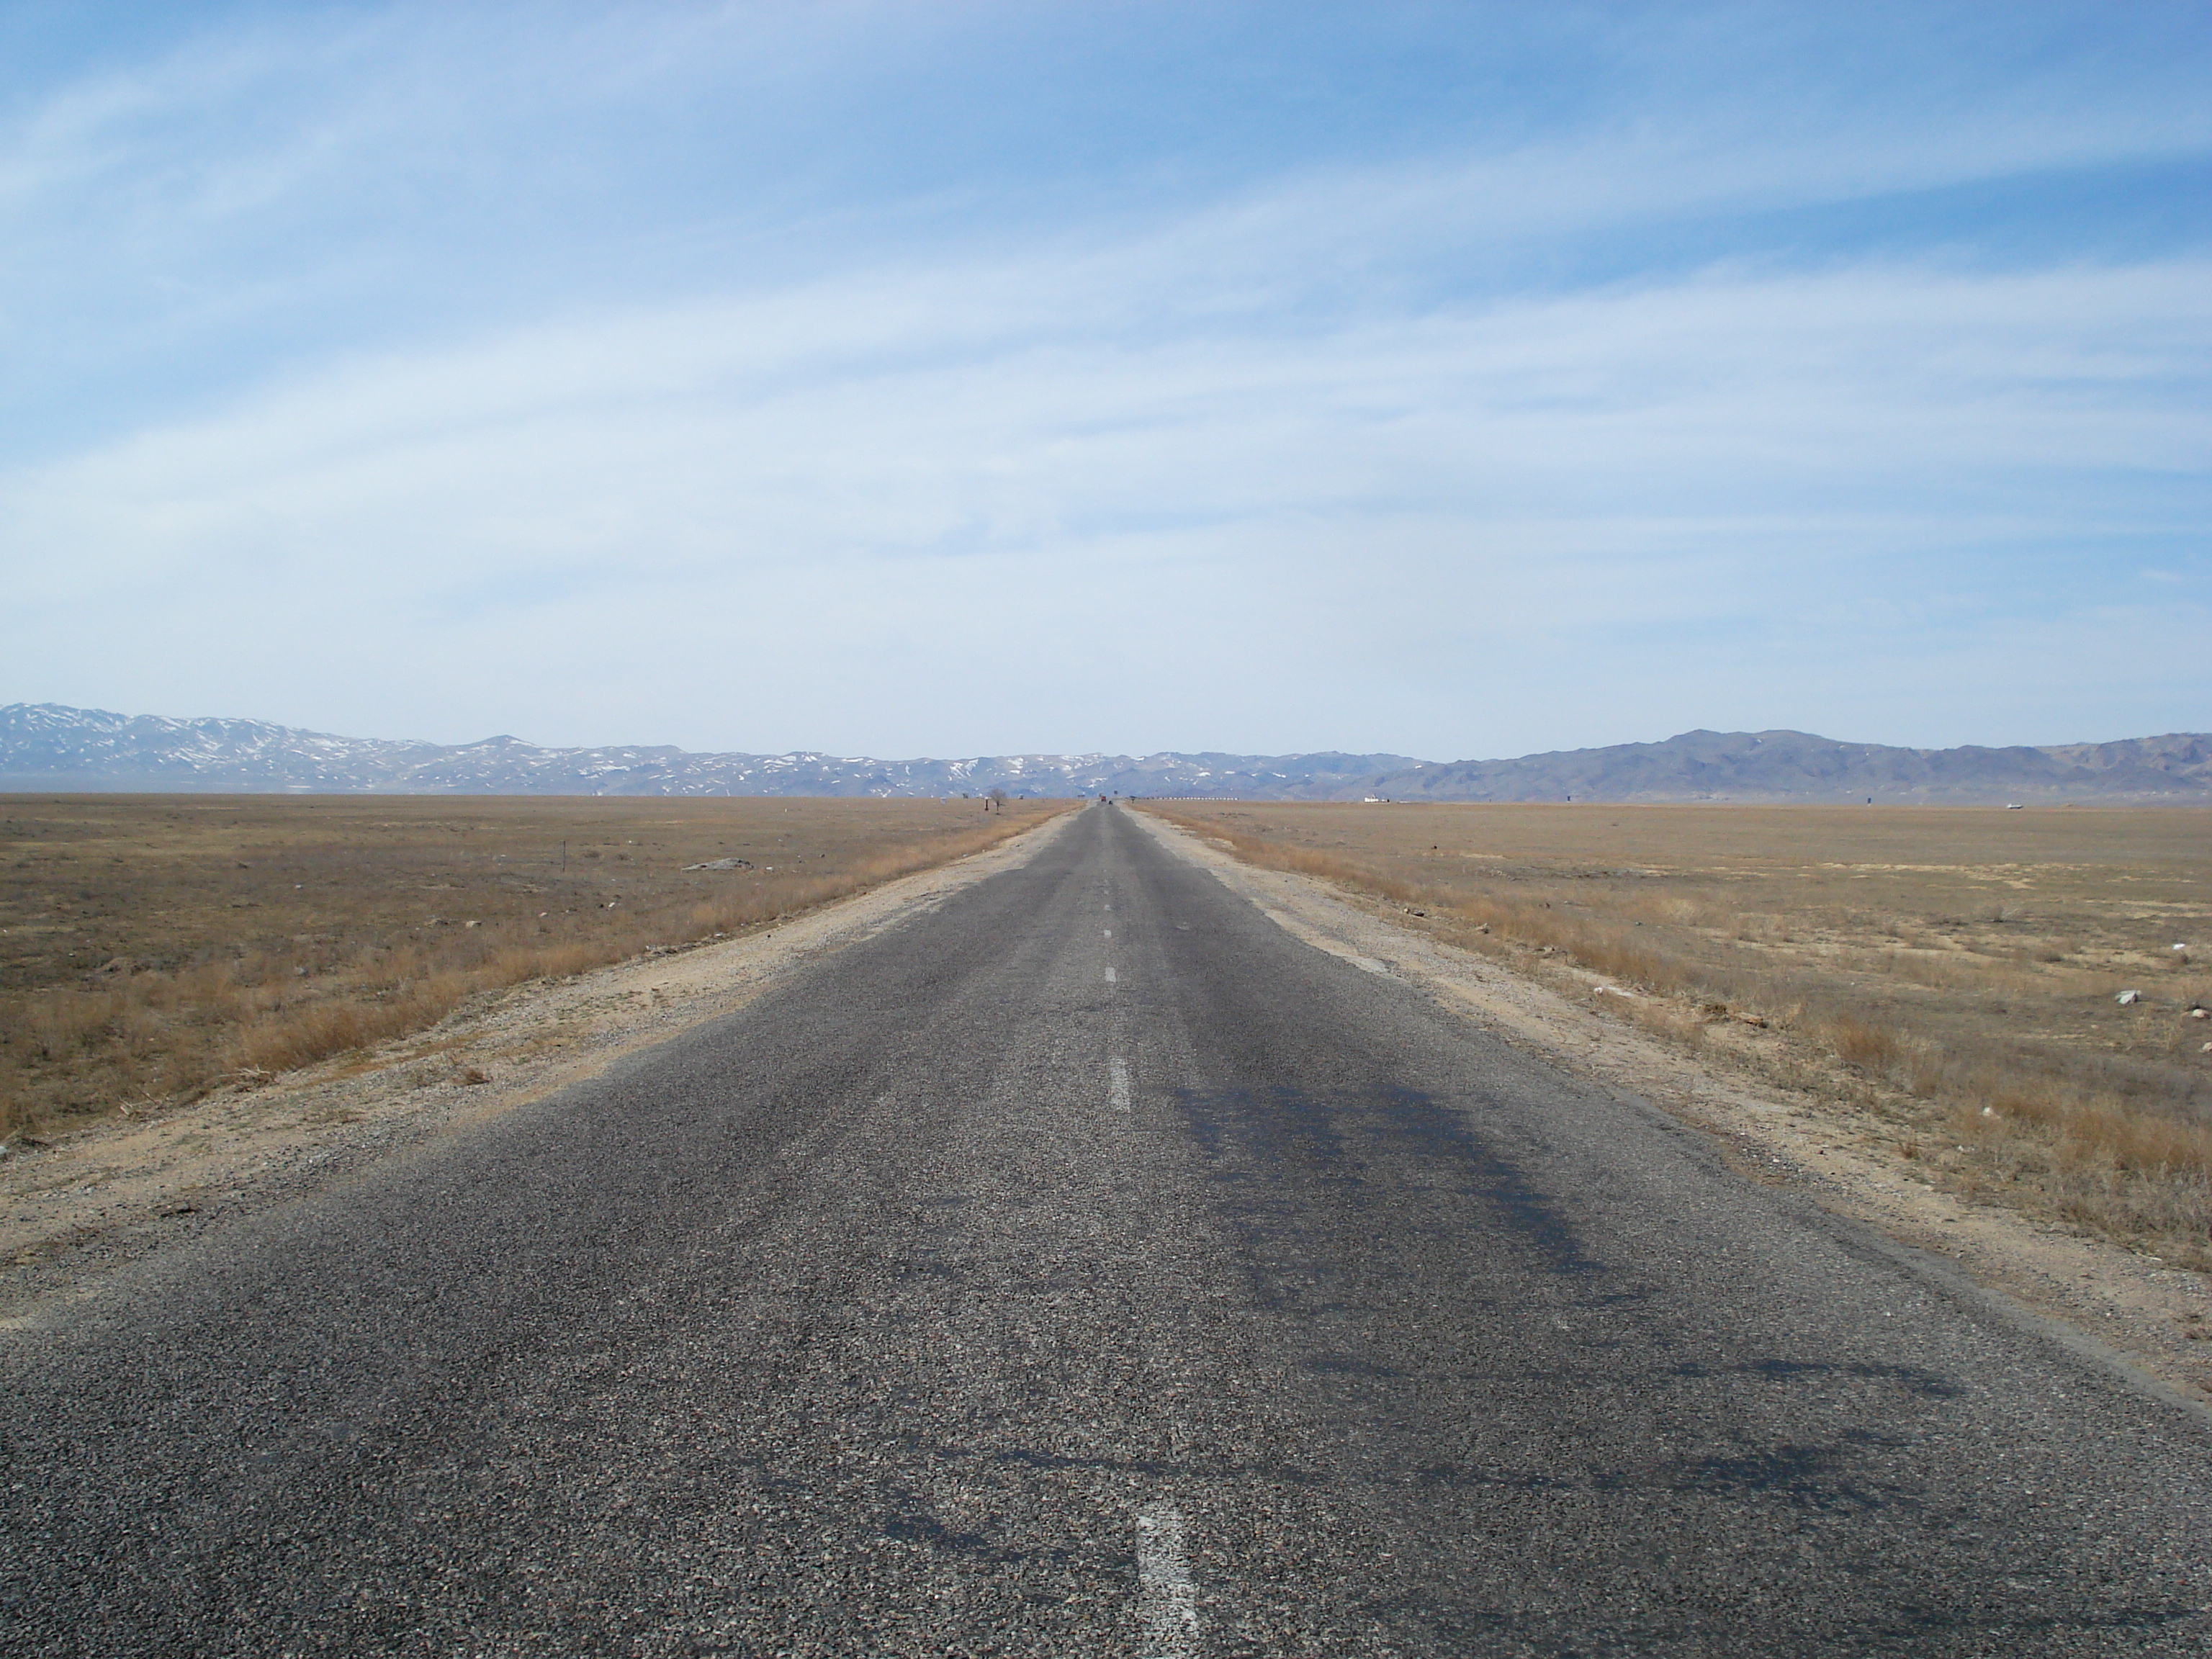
(118, 1191)
(2132, 1308)
(109, 1193)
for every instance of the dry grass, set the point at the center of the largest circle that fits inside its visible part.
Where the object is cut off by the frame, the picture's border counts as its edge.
(1948, 976)
(152, 947)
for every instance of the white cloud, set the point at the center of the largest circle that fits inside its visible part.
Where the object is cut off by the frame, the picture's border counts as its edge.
(856, 484)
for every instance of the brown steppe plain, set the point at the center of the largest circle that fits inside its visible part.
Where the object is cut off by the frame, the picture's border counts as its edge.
(211, 1005)
(155, 948)
(1944, 980)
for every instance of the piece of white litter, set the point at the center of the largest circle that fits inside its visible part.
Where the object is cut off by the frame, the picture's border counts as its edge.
(2127, 997)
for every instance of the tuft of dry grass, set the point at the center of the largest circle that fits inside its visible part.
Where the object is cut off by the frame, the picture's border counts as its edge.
(155, 947)
(1863, 1043)
(1949, 974)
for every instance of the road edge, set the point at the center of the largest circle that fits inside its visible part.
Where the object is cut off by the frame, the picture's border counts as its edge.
(2096, 1300)
(119, 1191)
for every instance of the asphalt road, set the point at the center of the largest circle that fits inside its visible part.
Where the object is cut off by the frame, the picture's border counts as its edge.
(1083, 1266)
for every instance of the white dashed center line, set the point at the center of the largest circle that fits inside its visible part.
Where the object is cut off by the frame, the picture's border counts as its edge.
(1109, 976)
(1166, 1596)
(1118, 1085)
(1110, 932)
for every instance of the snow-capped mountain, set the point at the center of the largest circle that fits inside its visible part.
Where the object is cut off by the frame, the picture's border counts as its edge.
(45, 747)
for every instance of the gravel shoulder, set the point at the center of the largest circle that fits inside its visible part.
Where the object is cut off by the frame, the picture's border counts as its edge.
(111, 1194)
(2133, 1309)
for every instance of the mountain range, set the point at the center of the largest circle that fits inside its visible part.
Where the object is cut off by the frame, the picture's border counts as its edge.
(48, 747)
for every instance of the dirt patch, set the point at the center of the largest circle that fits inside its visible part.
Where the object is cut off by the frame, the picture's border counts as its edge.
(116, 1189)
(2152, 1312)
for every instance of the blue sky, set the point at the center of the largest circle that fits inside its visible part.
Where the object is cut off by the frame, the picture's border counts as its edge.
(1450, 379)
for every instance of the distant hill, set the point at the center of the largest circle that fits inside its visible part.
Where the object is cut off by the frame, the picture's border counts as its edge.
(1797, 766)
(45, 747)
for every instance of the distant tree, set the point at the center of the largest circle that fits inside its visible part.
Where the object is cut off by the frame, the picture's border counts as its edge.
(996, 801)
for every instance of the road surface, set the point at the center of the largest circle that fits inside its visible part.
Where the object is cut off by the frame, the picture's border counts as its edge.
(1082, 1266)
